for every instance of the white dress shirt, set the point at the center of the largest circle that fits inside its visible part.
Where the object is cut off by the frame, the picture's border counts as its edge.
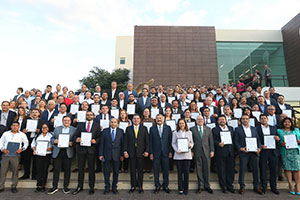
(247, 131)
(18, 137)
(43, 138)
(265, 130)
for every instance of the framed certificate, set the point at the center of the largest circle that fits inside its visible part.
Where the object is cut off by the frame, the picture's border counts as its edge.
(251, 144)
(63, 140)
(12, 147)
(183, 144)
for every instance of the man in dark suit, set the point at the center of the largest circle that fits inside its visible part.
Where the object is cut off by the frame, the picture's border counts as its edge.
(136, 147)
(48, 94)
(48, 115)
(208, 119)
(261, 104)
(87, 152)
(215, 110)
(19, 94)
(273, 94)
(203, 152)
(144, 101)
(6, 117)
(113, 92)
(252, 99)
(273, 119)
(105, 99)
(224, 155)
(154, 105)
(111, 153)
(241, 133)
(281, 105)
(176, 109)
(160, 150)
(268, 99)
(268, 157)
(138, 110)
(268, 76)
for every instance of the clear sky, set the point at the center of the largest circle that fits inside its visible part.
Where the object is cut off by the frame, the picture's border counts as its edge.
(58, 41)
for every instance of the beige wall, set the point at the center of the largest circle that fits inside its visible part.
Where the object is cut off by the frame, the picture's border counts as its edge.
(124, 48)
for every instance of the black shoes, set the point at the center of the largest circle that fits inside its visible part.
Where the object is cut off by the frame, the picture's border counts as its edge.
(77, 190)
(275, 191)
(199, 190)
(106, 191)
(92, 191)
(209, 190)
(115, 191)
(66, 190)
(141, 190)
(224, 190)
(231, 190)
(132, 189)
(24, 177)
(53, 190)
(156, 190)
(167, 190)
(14, 190)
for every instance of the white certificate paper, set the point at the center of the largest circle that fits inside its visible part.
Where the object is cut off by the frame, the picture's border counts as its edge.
(154, 112)
(251, 144)
(115, 113)
(182, 144)
(270, 142)
(176, 117)
(256, 114)
(86, 138)
(190, 97)
(252, 122)
(31, 125)
(233, 123)
(148, 125)
(58, 121)
(104, 123)
(74, 109)
(194, 115)
(199, 105)
(288, 113)
(172, 124)
(170, 99)
(41, 148)
(131, 109)
(95, 109)
(81, 116)
(63, 140)
(183, 108)
(290, 141)
(237, 112)
(211, 125)
(191, 124)
(123, 125)
(226, 137)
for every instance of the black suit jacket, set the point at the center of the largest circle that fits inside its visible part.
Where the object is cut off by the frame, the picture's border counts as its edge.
(287, 106)
(109, 92)
(273, 131)
(216, 110)
(111, 150)
(10, 119)
(24, 124)
(49, 97)
(160, 146)
(95, 130)
(226, 150)
(240, 138)
(136, 147)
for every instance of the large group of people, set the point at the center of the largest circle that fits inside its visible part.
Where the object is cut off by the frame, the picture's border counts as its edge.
(197, 128)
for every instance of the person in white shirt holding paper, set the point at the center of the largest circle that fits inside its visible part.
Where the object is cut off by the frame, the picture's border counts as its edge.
(20, 141)
(42, 160)
(269, 154)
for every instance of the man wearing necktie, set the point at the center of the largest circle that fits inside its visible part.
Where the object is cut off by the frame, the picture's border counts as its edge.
(160, 150)
(136, 147)
(111, 153)
(203, 152)
(87, 152)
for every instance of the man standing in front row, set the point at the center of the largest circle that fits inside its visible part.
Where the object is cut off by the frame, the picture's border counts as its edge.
(136, 147)
(111, 153)
(203, 151)
(62, 155)
(87, 152)
(160, 150)
(13, 136)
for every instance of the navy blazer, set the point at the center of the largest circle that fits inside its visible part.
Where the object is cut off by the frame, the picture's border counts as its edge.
(10, 119)
(135, 94)
(99, 117)
(111, 150)
(273, 131)
(226, 149)
(240, 138)
(160, 146)
(287, 106)
(140, 102)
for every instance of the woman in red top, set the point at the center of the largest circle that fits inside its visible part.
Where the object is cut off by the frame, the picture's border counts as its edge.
(69, 99)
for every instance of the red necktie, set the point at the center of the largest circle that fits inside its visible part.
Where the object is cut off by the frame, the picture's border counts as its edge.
(88, 127)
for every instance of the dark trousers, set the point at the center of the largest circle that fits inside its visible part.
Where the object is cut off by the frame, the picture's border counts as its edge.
(43, 163)
(253, 159)
(268, 82)
(62, 158)
(268, 158)
(164, 163)
(26, 158)
(106, 171)
(136, 167)
(183, 168)
(225, 168)
(82, 158)
(125, 164)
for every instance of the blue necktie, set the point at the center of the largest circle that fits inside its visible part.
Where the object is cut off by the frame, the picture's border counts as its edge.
(113, 135)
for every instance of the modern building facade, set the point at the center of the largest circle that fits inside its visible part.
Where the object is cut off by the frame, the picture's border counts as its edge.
(193, 55)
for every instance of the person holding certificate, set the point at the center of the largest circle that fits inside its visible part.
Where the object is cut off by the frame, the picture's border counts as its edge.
(111, 153)
(76, 119)
(42, 149)
(269, 154)
(132, 107)
(203, 151)
(290, 152)
(242, 133)
(224, 154)
(182, 143)
(136, 148)
(11, 147)
(160, 150)
(87, 137)
(155, 108)
(63, 153)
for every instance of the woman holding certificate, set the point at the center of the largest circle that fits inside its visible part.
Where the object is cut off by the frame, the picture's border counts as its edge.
(42, 148)
(182, 143)
(290, 152)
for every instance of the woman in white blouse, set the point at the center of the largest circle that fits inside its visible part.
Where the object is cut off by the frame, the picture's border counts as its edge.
(42, 158)
(183, 158)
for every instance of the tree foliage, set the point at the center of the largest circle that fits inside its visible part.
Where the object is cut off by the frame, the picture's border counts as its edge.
(98, 76)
